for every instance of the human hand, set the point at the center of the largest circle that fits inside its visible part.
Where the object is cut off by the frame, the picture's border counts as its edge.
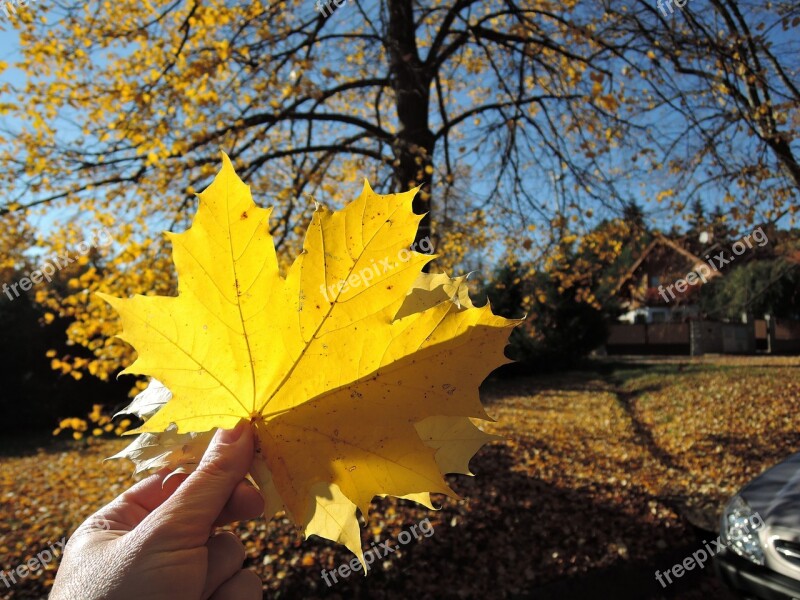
(160, 541)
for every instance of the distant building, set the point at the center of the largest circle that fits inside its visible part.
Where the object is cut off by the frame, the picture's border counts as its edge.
(662, 285)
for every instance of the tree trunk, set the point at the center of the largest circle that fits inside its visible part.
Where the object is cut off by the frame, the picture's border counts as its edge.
(413, 145)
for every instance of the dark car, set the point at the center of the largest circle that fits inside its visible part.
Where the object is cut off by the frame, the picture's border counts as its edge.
(760, 532)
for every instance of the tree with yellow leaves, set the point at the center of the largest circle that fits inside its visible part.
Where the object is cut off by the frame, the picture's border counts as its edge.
(512, 117)
(126, 106)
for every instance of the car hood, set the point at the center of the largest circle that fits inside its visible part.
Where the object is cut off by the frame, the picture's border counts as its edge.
(775, 494)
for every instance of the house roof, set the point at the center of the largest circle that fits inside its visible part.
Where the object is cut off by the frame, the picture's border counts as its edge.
(658, 240)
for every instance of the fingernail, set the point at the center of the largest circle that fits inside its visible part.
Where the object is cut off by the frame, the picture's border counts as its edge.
(230, 436)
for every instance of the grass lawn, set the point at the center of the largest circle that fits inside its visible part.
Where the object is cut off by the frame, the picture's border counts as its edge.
(605, 475)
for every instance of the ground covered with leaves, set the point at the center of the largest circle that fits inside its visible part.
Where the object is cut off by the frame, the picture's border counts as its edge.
(604, 476)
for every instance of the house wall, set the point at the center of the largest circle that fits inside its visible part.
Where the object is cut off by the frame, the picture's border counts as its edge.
(668, 333)
(786, 336)
(738, 338)
(776, 336)
(690, 338)
(655, 338)
(762, 335)
(659, 314)
(627, 335)
(711, 337)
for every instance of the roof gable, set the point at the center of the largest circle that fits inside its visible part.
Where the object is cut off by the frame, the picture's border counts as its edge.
(658, 241)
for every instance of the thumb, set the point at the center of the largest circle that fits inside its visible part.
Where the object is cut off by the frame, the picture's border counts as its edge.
(196, 504)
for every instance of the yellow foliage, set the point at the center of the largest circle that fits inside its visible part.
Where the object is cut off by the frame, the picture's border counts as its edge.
(198, 79)
(96, 419)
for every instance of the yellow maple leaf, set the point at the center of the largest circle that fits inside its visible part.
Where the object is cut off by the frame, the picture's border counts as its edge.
(358, 372)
